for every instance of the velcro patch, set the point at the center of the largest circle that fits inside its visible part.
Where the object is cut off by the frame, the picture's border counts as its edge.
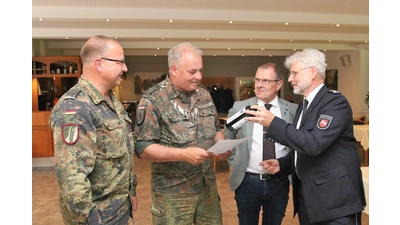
(324, 122)
(140, 114)
(70, 133)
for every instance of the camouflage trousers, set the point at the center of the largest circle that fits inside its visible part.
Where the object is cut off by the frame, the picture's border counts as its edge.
(187, 209)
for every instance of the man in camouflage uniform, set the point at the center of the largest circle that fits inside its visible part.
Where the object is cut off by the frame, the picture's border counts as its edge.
(93, 142)
(176, 123)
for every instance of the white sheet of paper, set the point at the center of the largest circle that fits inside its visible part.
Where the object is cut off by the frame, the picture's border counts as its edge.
(224, 145)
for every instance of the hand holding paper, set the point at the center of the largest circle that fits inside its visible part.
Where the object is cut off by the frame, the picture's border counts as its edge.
(224, 145)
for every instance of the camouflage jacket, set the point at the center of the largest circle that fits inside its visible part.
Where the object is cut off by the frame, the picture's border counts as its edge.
(94, 151)
(159, 120)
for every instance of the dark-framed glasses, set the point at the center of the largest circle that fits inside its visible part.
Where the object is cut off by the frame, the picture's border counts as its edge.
(263, 81)
(122, 62)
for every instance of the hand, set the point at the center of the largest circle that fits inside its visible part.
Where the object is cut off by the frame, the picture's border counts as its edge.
(134, 202)
(261, 116)
(271, 166)
(224, 156)
(194, 155)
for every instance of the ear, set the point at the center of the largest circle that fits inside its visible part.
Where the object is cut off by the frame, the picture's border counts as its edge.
(97, 65)
(279, 84)
(313, 73)
(173, 71)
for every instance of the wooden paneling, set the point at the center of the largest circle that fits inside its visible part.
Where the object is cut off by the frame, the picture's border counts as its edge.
(42, 138)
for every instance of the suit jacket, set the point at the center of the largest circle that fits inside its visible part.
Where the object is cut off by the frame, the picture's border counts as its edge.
(239, 159)
(327, 157)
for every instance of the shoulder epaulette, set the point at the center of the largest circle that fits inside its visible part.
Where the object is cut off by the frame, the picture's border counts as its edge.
(72, 93)
(334, 91)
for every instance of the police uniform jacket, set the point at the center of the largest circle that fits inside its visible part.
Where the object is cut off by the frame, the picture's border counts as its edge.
(327, 159)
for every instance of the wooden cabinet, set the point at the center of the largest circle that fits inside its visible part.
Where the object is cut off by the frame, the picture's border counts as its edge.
(47, 87)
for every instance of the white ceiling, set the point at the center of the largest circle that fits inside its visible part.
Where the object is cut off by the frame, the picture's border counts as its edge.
(142, 26)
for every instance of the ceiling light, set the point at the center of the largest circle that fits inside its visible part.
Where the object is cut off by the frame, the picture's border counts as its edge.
(251, 39)
(338, 25)
(162, 38)
(116, 38)
(291, 39)
(66, 37)
(41, 19)
(286, 23)
(229, 48)
(242, 55)
(108, 20)
(366, 42)
(231, 21)
(208, 39)
(324, 50)
(294, 49)
(215, 55)
(262, 49)
(270, 55)
(329, 40)
(155, 55)
(171, 21)
(158, 48)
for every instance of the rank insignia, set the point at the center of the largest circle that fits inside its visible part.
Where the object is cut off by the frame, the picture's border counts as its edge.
(324, 122)
(140, 115)
(70, 133)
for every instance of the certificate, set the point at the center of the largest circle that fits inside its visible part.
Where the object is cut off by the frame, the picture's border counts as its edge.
(224, 145)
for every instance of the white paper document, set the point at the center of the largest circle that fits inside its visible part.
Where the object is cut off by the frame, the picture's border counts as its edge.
(224, 145)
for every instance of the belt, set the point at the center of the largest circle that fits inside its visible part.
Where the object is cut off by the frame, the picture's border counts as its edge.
(264, 176)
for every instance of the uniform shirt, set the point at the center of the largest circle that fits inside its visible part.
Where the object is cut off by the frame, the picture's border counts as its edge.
(94, 152)
(161, 119)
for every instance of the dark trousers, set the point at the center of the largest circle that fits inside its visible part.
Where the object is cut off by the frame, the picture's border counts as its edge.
(353, 219)
(253, 193)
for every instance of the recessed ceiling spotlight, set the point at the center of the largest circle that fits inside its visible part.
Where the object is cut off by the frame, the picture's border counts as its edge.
(324, 50)
(294, 49)
(158, 48)
(215, 55)
(229, 48)
(286, 23)
(66, 37)
(41, 19)
(171, 21)
(242, 55)
(262, 49)
(116, 38)
(330, 41)
(251, 39)
(270, 55)
(338, 25)
(231, 21)
(155, 55)
(291, 39)
(108, 20)
(162, 38)
(208, 39)
(366, 42)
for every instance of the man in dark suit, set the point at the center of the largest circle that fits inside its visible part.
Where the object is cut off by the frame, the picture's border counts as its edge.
(327, 180)
(253, 188)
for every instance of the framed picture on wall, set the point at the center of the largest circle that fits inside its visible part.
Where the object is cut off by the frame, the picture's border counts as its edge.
(144, 81)
(331, 79)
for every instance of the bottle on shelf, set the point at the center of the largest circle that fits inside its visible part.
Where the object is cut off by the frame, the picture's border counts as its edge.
(65, 69)
(58, 70)
(70, 69)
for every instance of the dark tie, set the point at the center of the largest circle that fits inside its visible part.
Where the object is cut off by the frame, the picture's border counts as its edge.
(268, 146)
(305, 103)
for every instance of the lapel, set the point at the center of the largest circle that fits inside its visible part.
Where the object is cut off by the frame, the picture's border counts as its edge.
(312, 105)
(284, 110)
(249, 126)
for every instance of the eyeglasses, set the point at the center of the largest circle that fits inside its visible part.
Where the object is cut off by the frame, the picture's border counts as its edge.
(294, 73)
(114, 60)
(263, 81)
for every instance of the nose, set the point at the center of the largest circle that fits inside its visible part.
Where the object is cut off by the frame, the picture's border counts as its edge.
(198, 75)
(125, 68)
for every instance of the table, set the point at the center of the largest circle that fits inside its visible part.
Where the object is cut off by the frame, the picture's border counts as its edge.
(361, 133)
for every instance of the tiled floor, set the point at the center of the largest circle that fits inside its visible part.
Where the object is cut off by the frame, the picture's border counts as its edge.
(45, 209)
